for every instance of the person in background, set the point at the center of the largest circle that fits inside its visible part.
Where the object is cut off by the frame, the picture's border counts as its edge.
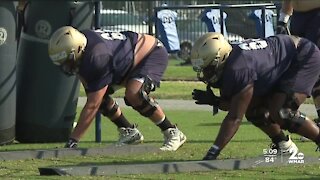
(265, 80)
(304, 18)
(106, 61)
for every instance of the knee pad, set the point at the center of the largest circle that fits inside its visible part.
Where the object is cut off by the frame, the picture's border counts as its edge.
(292, 120)
(291, 116)
(149, 105)
(148, 85)
(259, 117)
(104, 106)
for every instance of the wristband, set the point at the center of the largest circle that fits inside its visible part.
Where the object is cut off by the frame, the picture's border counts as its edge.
(72, 143)
(213, 153)
(215, 148)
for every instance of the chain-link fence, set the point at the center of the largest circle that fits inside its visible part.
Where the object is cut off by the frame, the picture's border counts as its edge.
(140, 16)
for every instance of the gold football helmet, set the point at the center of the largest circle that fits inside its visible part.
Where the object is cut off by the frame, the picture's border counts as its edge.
(66, 47)
(208, 56)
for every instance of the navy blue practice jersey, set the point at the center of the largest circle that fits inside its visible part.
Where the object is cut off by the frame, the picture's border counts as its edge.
(258, 61)
(107, 58)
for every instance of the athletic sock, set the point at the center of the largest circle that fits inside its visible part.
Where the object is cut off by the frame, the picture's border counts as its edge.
(280, 137)
(122, 121)
(165, 124)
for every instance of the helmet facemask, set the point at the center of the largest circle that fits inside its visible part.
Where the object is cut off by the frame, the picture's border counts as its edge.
(211, 73)
(70, 66)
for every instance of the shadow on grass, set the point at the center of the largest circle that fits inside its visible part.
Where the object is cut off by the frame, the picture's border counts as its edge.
(156, 142)
(219, 124)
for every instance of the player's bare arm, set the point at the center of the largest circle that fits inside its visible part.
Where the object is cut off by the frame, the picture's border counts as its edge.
(88, 112)
(232, 121)
(287, 7)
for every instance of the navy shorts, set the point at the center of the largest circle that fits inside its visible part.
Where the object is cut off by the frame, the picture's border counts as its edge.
(153, 65)
(304, 70)
(306, 24)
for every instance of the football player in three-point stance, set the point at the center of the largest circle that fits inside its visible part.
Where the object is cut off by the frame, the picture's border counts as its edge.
(265, 80)
(105, 61)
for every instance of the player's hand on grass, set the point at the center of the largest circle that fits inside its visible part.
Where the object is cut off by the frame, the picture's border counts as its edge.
(72, 143)
(205, 97)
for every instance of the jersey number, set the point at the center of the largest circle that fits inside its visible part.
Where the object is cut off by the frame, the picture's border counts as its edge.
(167, 19)
(215, 20)
(255, 44)
(113, 36)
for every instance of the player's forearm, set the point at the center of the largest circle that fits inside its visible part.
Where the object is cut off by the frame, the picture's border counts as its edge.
(227, 130)
(287, 7)
(286, 11)
(86, 117)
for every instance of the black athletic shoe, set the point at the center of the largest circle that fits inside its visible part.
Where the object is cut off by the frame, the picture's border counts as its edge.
(212, 154)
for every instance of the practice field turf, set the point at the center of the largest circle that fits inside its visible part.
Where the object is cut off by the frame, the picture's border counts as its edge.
(199, 126)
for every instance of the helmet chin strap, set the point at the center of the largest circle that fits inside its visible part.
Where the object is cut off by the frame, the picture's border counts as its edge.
(212, 78)
(206, 80)
(200, 78)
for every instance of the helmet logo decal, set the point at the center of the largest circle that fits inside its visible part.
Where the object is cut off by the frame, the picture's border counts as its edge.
(43, 29)
(3, 35)
(58, 56)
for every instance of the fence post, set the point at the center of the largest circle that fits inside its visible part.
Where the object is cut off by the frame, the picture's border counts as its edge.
(97, 7)
(263, 20)
(98, 127)
(221, 20)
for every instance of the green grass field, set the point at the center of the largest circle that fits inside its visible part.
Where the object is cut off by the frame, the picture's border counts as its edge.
(200, 128)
